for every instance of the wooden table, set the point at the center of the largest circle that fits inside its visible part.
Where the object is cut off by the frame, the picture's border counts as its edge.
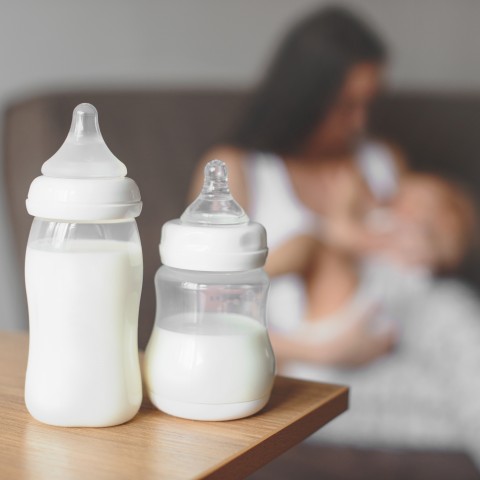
(154, 445)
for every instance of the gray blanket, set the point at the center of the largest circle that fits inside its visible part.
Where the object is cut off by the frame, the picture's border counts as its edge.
(426, 394)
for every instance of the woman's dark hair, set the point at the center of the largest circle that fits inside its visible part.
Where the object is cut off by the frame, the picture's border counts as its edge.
(303, 80)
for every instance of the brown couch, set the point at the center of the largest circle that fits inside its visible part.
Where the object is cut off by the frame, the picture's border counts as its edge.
(159, 135)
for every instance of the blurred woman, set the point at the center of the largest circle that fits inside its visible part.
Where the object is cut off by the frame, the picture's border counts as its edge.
(301, 163)
(300, 142)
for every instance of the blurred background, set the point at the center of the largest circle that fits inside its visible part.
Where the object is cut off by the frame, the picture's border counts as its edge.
(66, 46)
(54, 46)
(169, 77)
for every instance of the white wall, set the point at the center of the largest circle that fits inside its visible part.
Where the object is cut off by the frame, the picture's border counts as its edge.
(50, 44)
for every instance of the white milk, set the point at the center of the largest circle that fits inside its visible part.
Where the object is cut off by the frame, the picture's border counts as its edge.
(229, 363)
(83, 304)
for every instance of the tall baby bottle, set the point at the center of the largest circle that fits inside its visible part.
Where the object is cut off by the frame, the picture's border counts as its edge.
(83, 274)
(209, 356)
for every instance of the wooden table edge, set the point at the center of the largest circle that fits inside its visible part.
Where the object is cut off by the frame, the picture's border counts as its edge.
(256, 456)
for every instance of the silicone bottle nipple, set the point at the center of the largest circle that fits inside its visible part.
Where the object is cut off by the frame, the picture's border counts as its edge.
(215, 204)
(84, 153)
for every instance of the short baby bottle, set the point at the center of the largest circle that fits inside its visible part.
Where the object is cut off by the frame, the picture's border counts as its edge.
(209, 356)
(83, 273)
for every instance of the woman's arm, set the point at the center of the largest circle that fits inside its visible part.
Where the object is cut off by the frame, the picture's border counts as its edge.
(352, 345)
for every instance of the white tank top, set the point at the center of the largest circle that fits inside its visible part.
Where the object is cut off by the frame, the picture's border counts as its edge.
(274, 204)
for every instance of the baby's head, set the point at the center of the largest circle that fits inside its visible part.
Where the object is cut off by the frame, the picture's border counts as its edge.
(442, 212)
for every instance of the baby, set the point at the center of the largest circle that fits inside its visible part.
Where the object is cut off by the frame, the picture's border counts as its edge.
(436, 222)
(358, 300)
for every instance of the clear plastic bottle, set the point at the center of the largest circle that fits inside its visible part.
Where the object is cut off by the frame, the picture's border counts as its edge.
(209, 356)
(83, 274)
